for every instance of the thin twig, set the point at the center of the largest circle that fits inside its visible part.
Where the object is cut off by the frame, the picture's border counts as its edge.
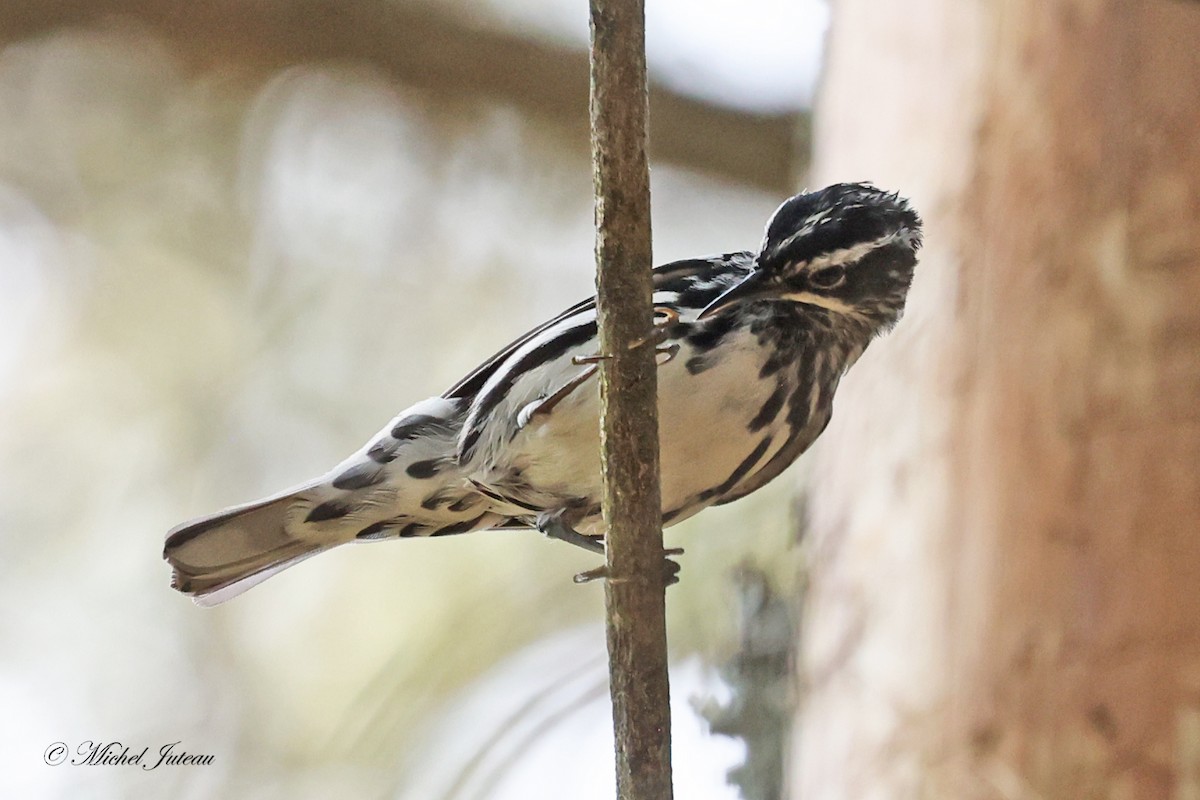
(634, 591)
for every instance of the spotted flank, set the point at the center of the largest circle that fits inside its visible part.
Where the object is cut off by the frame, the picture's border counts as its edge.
(750, 348)
(329, 510)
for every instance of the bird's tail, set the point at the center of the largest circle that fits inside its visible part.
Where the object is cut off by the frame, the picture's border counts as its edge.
(222, 555)
(404, 482)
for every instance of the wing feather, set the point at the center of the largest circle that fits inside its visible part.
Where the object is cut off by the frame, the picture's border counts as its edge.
(668, 277)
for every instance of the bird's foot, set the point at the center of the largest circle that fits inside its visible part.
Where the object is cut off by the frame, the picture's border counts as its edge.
(554, 526)
(670, 570)
(664, 320)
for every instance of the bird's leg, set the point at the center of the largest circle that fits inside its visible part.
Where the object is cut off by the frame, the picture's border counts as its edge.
(547, 405)
(670, 570)
(662, 354)
(665, 319)
(553, 525)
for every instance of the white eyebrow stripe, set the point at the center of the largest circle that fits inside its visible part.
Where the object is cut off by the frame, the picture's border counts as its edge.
(850, 254)
(812, 299)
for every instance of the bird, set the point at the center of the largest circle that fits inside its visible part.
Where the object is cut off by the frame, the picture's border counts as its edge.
(750, 347)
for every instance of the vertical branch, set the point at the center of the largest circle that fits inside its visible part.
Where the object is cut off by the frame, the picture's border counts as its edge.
(634, 591)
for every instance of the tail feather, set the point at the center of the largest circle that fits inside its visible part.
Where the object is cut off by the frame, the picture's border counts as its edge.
(219, 556)
(404, 482)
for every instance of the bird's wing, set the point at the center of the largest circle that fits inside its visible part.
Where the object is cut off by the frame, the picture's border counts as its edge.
(668, 277)
(489, 390)
(468, 386)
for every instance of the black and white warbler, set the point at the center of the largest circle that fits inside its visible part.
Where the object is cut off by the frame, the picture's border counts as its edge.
(751, 349)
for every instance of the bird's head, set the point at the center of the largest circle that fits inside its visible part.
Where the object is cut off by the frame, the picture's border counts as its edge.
(849, 248)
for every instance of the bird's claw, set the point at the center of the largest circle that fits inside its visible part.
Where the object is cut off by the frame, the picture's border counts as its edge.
(597, 574)
(670, 571)
(665, 319)
(594, 358)
(554, 526)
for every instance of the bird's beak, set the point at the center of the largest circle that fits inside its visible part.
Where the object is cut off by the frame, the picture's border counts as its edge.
(753, 287)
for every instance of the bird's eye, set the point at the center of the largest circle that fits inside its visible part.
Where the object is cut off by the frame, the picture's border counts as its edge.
(827, 278)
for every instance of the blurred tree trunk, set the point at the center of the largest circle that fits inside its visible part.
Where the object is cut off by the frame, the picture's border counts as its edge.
(1005, 527)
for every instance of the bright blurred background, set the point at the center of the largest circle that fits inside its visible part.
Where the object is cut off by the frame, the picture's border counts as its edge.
(234, 241)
